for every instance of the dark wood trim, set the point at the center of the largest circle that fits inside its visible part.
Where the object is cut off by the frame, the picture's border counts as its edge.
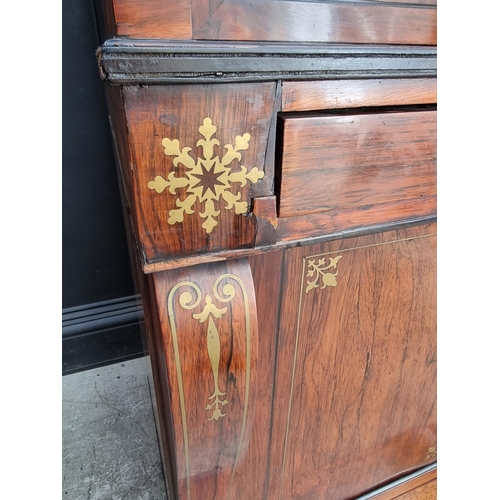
(194, 260)
(265, 187)
(123, 61)
(101, 333)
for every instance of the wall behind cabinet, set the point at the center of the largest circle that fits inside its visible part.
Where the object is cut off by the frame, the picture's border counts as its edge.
(96, 271)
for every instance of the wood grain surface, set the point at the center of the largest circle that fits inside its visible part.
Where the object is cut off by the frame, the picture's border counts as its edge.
(209, 334)
(264, 210)
(280, 20)
(153, 19)
(344, 381)
(427, 491)
(345, 171)
(355, 384)
(266, 273)
(144, 285)
(338, 161)
(336, 22)
(307, 372)
(250, 475)
(292, 231)
(177, 113)
(337, 94)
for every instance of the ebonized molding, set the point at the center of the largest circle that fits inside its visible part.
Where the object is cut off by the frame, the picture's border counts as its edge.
(101, 333)
(123, 61)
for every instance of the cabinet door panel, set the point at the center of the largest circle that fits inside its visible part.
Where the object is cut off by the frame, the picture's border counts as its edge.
(356, 370)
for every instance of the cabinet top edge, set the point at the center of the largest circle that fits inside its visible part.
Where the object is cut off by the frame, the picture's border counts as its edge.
(123, 61)
(155, 46)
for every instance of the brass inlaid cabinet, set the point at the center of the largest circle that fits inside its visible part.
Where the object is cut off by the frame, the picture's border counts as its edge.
(278, 166)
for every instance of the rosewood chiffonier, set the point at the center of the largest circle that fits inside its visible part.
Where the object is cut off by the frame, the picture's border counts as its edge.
(278, 169)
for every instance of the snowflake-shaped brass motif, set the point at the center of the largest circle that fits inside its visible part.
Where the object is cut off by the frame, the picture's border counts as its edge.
(208, 178)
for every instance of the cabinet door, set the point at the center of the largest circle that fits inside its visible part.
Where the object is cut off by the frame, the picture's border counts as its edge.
(355, 383)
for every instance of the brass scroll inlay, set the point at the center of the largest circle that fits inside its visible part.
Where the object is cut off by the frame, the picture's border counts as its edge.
(318, 270)
(208, 178)
(186, 301)
(213, 344)
(211, 311)
(432, 452)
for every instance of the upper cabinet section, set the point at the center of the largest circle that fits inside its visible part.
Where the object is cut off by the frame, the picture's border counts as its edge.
(406, 22)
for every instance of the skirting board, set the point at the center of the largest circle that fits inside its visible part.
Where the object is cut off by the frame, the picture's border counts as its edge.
(101, 333)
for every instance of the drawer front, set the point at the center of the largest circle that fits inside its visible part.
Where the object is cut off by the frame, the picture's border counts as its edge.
(372, 167)
(341, 94)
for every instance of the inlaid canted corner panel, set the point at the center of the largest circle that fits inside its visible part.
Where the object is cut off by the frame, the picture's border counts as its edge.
(195, 152)
(210, 339)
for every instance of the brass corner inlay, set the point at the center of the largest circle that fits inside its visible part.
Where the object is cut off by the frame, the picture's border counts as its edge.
(432, 452)
(208, 178)
(317, 271)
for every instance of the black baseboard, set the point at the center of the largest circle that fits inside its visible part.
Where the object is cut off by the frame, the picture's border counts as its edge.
(102, 333)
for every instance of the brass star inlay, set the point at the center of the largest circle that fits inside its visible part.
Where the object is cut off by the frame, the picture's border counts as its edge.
(208, 179)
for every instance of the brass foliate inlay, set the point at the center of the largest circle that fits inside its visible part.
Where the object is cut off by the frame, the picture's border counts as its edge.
(208, 179)
(318, 272)
(432, 453)
(224, 292)
(213, 345)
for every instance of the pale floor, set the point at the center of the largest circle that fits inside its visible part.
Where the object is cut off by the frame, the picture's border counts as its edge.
(110, 447)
